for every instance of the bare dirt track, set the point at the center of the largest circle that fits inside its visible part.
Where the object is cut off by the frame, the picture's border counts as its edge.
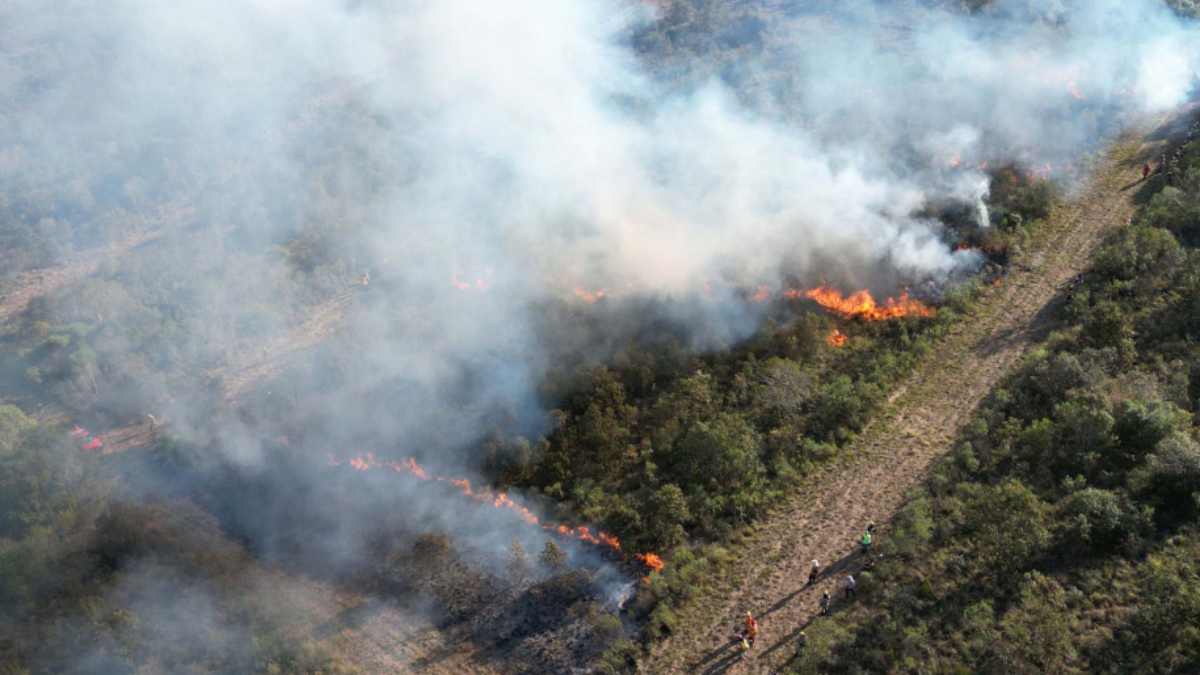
(828, 513)
(39, 282)
(244, 371)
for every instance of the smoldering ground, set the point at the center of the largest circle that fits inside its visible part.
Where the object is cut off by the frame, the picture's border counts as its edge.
(524, 150)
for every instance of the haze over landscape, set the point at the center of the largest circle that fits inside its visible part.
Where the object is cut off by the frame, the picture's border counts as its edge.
(357, 336)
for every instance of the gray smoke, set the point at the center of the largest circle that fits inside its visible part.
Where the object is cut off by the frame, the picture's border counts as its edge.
(523, 150)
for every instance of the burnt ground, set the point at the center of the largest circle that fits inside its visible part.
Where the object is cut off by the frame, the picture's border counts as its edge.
(920, 424)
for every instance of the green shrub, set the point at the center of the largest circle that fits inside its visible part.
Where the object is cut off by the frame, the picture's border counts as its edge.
(1095, 519)
(1175, 474)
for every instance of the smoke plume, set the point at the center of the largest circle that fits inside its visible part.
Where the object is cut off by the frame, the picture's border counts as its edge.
(486, 161)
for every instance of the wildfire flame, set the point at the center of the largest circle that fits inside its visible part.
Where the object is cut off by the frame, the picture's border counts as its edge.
(862, 304)
(836, 339)
(651, 560)
(464, 285)
(590, 297)
(499, 500)
(92, 442)
(859, 304)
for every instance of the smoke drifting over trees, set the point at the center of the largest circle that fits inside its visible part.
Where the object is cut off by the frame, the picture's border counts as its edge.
(483, 161)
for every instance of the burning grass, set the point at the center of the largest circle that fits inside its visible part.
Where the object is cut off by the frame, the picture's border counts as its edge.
(862, 304)
(501, 500)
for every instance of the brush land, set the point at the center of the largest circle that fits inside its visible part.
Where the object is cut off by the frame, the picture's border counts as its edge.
(1029, 450)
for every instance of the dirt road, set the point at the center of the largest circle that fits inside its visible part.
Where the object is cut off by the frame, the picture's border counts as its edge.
(243, 372)
(830, 511)
(39, 282)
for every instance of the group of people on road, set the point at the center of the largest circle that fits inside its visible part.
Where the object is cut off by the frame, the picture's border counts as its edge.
(747, 635)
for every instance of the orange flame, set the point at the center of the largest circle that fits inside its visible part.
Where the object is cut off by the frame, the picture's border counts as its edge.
(499, 500)
(590, 297)
(464, 285)
(651, 560)
(862, 304)
(836, 339)
(761, 294)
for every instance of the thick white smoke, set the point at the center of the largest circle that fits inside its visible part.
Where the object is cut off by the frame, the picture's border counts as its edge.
(520, 149)
(529, 145)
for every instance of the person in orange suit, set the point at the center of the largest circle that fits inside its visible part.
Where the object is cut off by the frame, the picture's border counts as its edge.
(751, 628)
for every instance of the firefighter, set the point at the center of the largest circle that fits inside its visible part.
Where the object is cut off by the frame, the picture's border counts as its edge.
(743, 643)
(866, 539)
(814, 572)
(850, 584)
(825, 600)
(751, 628)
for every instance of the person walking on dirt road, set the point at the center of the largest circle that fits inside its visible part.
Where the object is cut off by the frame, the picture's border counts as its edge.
(850, 584)
(814, 572)
(751, 628)
(747, 635)
(825, 600)
(866, 540)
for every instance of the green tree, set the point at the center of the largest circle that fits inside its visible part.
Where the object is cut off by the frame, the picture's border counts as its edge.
(602, 431)
(1005, 527)
(838, 409)
(552, 556)
(1095, 518)
(1107, 325)
(1142, 425)
(720, 455)
(1082, 436)
(1037, 632)
(1175, 474)
(13, 423)
(666, 513)
(517, 565)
